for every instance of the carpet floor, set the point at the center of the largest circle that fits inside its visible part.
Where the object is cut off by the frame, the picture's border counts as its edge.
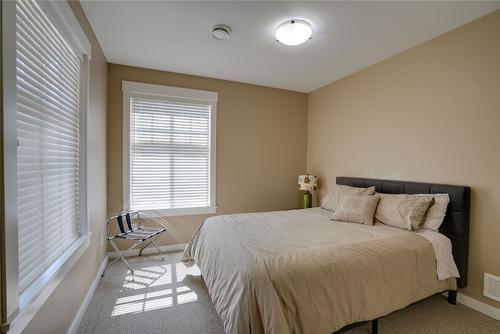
(168, 297)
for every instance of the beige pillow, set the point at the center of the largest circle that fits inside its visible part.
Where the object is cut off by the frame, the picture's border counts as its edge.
(331, 200)
(356, 208)
(402, 210)
(435, 215)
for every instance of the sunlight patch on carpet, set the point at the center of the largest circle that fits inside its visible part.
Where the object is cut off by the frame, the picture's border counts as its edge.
(161, 275)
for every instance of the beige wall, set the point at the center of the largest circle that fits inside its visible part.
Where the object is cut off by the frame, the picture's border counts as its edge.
(60, 309)
(430, 114)
(261, 143)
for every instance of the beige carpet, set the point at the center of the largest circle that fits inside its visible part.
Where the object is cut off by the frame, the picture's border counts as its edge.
(167, 297)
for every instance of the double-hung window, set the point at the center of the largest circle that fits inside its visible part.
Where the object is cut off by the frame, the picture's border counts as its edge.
(169, 149)
(45, 65)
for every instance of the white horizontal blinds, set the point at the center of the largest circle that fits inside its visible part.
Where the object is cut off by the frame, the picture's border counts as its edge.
(48, 89)
(169, 153)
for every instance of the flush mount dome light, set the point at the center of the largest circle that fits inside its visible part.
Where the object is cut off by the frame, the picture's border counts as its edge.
(293, 32)
(221, 32)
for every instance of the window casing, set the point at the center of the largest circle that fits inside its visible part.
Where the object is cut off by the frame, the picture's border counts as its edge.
(46, 62)
(169, 149)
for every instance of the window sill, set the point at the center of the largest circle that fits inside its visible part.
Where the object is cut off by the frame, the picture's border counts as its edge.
(35, 296)
(177, 212)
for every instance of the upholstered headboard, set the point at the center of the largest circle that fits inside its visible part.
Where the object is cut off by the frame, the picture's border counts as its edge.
(456, 221)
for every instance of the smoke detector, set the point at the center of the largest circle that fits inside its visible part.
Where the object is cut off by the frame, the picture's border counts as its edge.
(221, 32)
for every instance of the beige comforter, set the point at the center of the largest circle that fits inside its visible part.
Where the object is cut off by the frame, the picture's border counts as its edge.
(298, 272)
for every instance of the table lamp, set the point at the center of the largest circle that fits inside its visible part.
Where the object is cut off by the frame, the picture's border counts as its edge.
(308, 182)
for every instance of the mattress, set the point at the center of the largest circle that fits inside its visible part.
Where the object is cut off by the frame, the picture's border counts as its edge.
(298, 271)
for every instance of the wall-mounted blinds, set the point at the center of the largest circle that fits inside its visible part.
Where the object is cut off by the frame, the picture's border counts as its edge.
(48, 112)
(170, 153)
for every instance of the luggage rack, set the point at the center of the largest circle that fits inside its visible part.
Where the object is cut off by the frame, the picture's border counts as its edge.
(141, 235)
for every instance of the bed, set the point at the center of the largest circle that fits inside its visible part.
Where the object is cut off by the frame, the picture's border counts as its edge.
(297, 271)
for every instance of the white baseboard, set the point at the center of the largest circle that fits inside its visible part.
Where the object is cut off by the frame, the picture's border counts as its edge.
(88, 297)
(477, 305)
(152, 250)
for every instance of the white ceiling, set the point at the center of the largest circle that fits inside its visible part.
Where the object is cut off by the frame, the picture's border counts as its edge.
(348, 36)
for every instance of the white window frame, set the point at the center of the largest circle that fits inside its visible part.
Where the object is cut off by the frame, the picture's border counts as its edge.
(21, 308)
(130, 88)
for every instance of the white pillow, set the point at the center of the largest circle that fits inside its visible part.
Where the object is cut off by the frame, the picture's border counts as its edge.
(331, 200)
(403, 210)
(356, 209)
(435, 215)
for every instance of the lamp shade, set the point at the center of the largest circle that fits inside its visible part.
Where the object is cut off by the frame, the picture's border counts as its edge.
(308, 182)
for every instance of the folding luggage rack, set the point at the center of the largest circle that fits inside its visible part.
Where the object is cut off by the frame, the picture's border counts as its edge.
(141, 235)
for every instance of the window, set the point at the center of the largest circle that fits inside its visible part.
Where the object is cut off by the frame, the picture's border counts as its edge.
(44, 150)
(169, 149)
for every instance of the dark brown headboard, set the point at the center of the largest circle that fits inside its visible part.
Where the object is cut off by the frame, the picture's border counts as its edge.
(456, 221)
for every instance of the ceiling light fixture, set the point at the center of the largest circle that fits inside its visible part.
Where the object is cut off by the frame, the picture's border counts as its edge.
(293, 32)
(221, 32)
